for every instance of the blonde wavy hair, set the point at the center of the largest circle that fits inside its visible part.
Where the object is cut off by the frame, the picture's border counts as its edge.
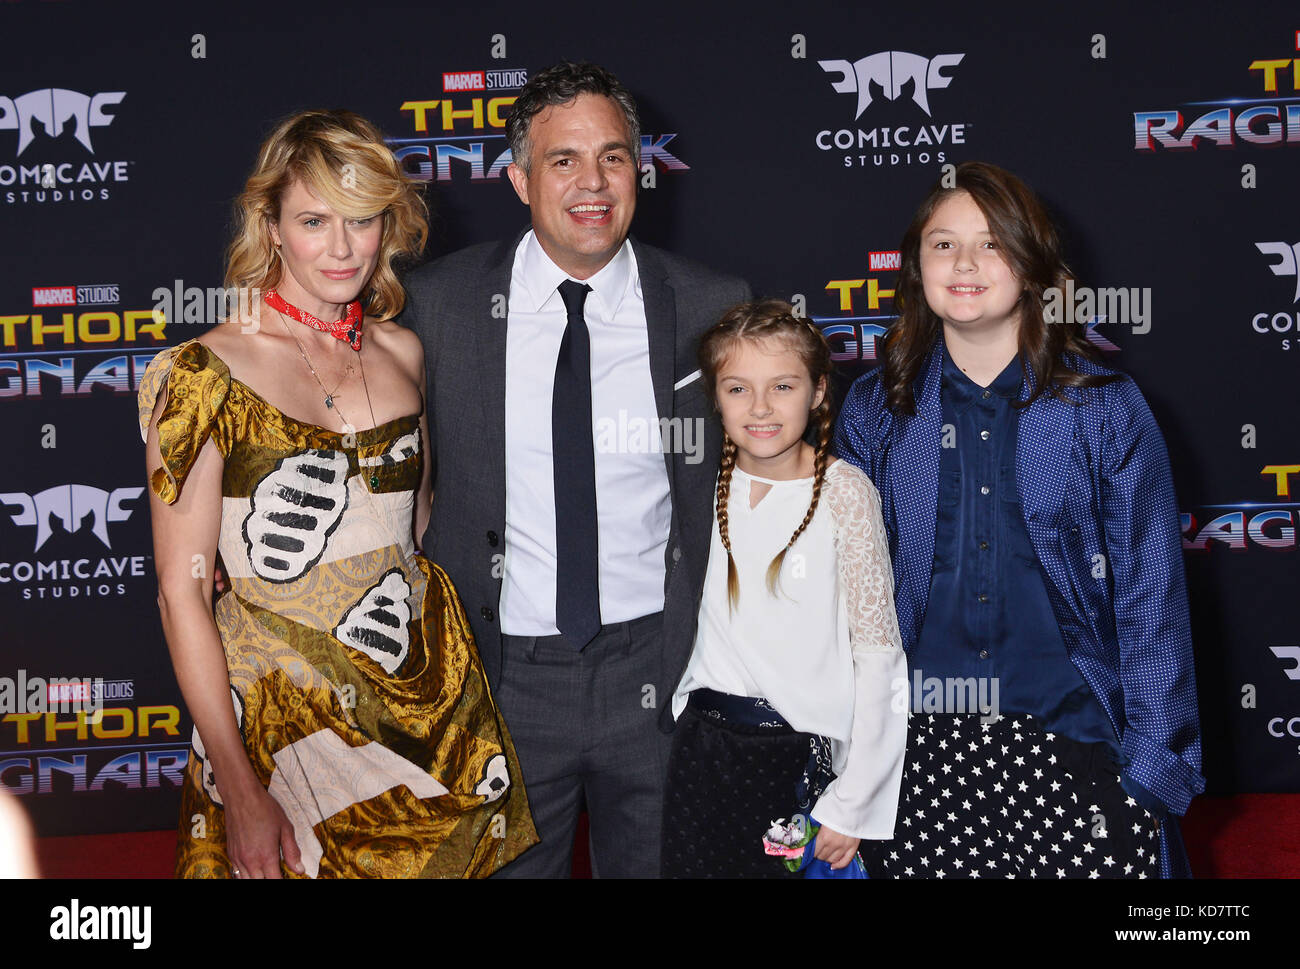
(342, 158)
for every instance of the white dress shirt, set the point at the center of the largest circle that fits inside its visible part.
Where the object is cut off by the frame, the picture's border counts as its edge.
(825, 651)
(633, 509)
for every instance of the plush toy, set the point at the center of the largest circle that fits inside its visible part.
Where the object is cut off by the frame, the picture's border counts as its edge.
(796, 843)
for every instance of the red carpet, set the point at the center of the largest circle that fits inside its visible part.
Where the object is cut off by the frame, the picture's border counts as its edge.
(1246, 836)
(152, 854)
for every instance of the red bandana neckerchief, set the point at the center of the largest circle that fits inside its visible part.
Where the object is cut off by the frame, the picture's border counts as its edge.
(347, 329)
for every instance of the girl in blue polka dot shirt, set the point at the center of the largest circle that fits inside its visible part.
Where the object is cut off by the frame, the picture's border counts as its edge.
(1037, 559)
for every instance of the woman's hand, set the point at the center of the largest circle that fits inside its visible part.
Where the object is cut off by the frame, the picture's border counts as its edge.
(185, 537)
(257, 834)
(836, 849)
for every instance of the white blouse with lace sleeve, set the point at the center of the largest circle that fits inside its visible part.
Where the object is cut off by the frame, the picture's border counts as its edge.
(823, 649)
(863, 799)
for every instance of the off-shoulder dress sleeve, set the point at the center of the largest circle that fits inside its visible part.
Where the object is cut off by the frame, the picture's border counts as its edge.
(195, 383)
(863, 800)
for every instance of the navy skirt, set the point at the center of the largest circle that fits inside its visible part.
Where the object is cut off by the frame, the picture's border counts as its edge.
(736, 767)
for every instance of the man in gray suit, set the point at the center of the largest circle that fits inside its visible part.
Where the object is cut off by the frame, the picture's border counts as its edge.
(575, 453)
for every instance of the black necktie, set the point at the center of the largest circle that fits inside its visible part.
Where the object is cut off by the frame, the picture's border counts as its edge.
(577, 580)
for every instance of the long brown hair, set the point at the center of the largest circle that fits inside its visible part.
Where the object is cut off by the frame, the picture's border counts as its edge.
(756, 321)
(1029, 243)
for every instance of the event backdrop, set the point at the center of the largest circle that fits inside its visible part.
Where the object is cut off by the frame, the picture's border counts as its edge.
(786, 143)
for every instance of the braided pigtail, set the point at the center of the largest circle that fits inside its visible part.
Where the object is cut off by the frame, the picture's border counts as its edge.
(761, 321)
(822, 416)
(724, 496)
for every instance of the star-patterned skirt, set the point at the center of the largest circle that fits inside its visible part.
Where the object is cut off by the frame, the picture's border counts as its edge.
(1006, 800)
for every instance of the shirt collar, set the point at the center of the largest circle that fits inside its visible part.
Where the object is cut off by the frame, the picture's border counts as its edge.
(541, 278)
(962, 390)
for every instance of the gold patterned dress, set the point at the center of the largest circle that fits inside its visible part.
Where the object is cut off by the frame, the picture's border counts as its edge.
(353, 672)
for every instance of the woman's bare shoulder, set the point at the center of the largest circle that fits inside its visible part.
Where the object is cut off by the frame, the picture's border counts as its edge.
(240, 344)
(230, 340)
(403, 345)
(393, 334)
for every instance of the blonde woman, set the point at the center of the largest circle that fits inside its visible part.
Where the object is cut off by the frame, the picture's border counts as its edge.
(343, 725)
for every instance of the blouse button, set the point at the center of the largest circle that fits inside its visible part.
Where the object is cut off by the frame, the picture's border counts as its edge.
(984, 546)
(984, 654)
(984, 435)
(987, 394)
(984, 489)
(984, 597)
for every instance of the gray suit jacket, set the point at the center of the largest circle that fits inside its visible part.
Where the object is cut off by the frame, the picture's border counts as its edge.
(457, 305)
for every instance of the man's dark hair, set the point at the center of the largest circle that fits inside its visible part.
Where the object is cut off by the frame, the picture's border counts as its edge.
(561, 84)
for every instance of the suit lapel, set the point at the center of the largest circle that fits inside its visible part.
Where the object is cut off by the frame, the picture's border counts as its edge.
(661, 332)
(491, 292)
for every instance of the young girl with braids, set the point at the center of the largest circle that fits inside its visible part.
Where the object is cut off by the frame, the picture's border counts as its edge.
(784, 708)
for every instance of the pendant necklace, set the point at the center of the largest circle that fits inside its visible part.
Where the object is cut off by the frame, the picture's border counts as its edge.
(329, 396)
